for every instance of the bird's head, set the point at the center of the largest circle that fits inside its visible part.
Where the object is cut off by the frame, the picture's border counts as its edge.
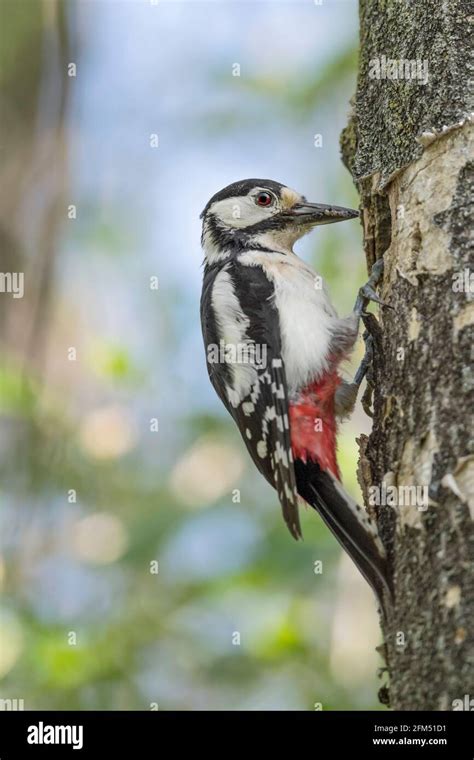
(262, 213)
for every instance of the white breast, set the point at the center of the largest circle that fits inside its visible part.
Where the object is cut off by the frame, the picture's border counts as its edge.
(307, 318)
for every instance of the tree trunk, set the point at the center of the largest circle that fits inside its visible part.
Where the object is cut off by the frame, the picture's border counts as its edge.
(408, 146)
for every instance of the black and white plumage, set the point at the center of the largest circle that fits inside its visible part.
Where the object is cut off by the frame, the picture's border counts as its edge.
(281, 343)
(236, 307)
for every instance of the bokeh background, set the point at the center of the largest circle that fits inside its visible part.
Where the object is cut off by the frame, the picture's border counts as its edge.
(144, 563)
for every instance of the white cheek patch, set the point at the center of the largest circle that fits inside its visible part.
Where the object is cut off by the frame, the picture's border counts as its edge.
(241, 211)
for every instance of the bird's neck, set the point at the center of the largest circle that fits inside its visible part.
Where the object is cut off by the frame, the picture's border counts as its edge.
(220, 243)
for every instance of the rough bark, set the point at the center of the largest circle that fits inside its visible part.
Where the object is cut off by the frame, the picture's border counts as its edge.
(409, 148)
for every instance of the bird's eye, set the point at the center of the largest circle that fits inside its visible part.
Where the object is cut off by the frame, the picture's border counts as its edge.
(264, 199)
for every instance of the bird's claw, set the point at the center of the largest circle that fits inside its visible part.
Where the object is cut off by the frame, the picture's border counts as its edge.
(367, 292)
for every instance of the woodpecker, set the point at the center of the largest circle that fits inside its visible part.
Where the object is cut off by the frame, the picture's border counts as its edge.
(274, 345)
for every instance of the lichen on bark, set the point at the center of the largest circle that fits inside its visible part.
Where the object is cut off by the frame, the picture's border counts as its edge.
(408, 146)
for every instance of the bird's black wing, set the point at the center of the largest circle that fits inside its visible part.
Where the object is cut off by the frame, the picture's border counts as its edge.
(259, 402)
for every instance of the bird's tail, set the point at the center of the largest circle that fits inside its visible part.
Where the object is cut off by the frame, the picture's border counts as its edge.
(350, 524)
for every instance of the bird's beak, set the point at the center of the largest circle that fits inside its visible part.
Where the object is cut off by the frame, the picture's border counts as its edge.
(318, 213)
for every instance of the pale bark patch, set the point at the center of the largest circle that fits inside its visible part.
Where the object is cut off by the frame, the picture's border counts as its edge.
(417, 195)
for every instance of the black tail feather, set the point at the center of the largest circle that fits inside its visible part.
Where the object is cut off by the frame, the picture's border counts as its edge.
(346, 521)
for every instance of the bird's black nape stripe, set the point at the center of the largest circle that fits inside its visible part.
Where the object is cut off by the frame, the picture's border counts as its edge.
(243, 187)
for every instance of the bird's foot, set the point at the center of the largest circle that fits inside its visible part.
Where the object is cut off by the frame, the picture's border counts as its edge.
(367, 292)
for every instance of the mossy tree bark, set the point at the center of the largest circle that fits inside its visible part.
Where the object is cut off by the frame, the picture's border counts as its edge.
(408, 146)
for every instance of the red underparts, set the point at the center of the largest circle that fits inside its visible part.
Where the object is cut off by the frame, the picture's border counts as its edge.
(313, 423)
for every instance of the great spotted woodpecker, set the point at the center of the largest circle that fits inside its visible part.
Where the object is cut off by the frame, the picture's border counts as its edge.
(274, 344)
